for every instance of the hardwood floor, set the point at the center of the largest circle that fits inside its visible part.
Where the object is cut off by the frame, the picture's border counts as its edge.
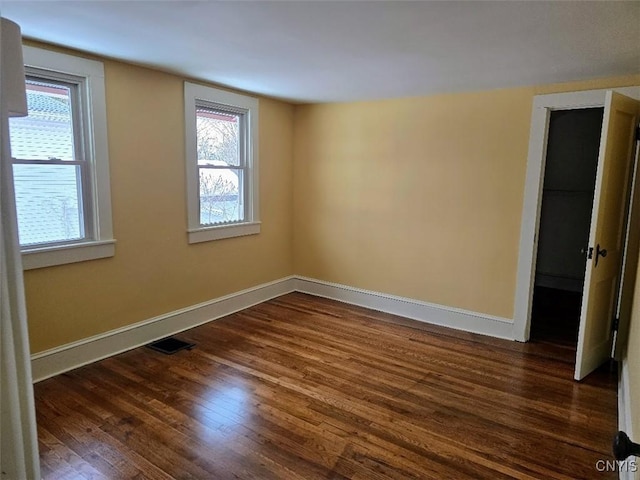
(303, 388)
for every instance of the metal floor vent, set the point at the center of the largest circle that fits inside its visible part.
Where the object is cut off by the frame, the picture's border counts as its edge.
(170, 345)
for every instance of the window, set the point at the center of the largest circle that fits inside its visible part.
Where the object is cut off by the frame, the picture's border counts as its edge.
(60, 162)
(222, 164)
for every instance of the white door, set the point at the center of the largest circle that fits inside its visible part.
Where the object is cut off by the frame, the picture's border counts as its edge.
(606, 238)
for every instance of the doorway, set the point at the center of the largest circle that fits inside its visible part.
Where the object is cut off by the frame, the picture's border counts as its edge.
(608, 289)
(543, 107)
(567, 202)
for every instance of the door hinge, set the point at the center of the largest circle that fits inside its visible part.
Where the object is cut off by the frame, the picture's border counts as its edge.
(615, 324)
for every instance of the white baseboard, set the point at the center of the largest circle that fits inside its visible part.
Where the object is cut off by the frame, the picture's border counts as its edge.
(624, 412)
(73, 355)
(406, 307)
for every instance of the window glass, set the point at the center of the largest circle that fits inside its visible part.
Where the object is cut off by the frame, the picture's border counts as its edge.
(218, 137)
(48, 203)
(47, 132)
(47, 177)
(220, 199)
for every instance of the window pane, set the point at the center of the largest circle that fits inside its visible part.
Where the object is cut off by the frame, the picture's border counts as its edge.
(47, 132)
(218, 137)
(221, 196)
(48, 203)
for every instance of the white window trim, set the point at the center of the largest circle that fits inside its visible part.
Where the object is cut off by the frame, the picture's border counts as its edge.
(251, 225)
(103, 245)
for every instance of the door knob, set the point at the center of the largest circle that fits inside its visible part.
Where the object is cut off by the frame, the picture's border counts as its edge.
(623, 447)
(600, 253)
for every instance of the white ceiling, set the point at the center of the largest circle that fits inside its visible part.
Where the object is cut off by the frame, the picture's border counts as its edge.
(318, 51)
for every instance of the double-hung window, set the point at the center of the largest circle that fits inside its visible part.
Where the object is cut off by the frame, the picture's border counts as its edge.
(60, 162)
(221, 151)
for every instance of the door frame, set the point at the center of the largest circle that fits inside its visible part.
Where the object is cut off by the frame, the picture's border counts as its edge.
(543, 105)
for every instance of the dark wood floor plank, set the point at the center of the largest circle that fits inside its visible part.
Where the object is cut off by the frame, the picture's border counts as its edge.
(306, 388)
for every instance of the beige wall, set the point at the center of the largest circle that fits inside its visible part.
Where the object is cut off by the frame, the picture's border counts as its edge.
(417, 197)
(154, 270)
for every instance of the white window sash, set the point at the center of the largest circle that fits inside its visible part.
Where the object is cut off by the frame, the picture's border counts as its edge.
(199, 96)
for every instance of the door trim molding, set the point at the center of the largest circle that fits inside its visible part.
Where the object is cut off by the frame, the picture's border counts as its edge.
(625, 418)
(543, 105)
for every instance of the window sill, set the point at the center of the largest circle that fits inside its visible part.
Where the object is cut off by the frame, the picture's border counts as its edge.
(206, 234)
(63, 254)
